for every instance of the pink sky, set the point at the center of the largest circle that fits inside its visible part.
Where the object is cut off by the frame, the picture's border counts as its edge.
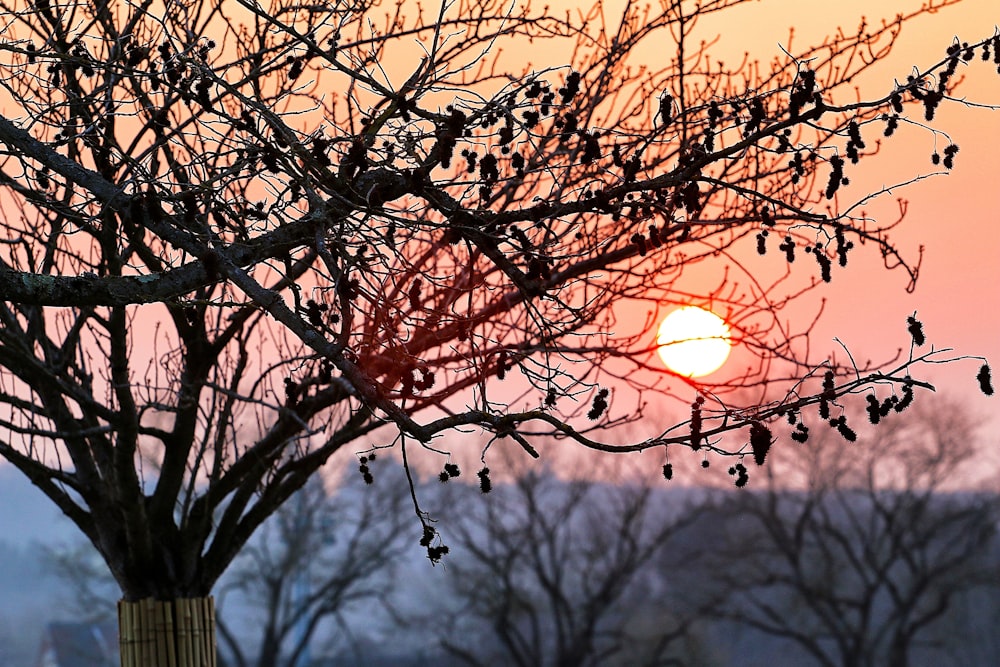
(955, 217)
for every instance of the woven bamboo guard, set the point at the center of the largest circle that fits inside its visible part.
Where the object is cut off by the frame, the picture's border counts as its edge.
(173, 633)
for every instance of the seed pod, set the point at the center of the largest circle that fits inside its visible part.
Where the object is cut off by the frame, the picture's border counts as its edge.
(801, 433)
(873, 408)
(665, 112)
(740, 472)
(766, 218)
(949, 155)
(840, 423)
(485, 485)
(836, 176)
(760, 441)
(824, 264)
(599, 405)
(696, 423)
(985, 380)
(366, 471)
(295, 69)
(843, 245)
(916, 330)
(314, 311)
(414, 294)
(639, 241)
(788, 246)
(897, 102)
(291, 392)
(906, 399)
(855, 133)
(891, 124)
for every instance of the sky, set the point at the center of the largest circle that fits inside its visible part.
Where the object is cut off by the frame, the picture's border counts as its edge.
(954, 217)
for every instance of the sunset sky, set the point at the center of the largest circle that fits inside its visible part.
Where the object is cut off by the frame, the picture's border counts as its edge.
(955, 217)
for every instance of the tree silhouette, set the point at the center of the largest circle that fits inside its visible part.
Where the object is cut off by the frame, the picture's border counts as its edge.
(238, 238)
(561, 572)
(868, 550)
(322, 553)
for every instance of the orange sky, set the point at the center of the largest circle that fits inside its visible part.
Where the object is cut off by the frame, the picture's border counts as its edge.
(955, 217)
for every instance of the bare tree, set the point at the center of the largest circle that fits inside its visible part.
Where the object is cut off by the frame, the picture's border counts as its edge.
(966, 636)
(308, 568)
(239, 237)
(91, 588)
(858, 564)
(549, 571)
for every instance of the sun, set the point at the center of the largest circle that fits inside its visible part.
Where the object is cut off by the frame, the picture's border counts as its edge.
(693, 341)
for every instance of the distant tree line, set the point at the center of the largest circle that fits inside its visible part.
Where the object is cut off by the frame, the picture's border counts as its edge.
(865, 554)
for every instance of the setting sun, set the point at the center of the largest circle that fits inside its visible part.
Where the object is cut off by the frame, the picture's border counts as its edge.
(693, 341)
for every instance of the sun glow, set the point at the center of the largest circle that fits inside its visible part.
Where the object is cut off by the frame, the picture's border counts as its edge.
(693, 341)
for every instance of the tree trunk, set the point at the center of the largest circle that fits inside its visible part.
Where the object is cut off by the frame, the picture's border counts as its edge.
(172, 633)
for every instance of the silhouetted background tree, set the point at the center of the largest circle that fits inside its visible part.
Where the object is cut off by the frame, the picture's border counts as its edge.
(550, 571)
(241, 237)
(301, 579)
(855, 553)
(844, 556)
